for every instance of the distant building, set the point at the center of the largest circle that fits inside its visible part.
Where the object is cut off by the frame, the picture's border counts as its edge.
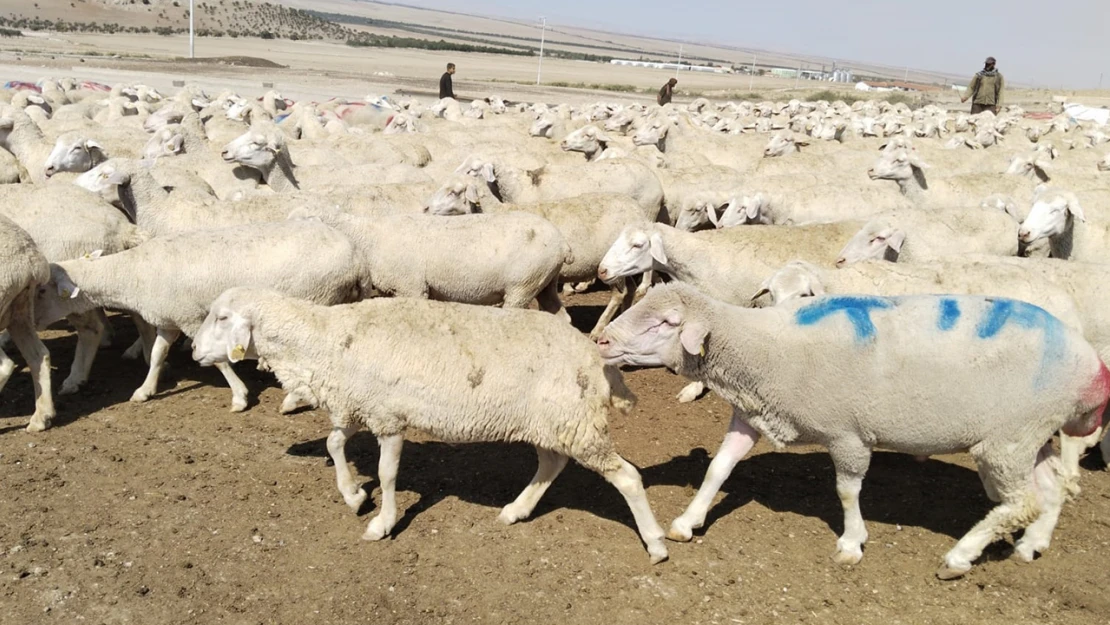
(675, 66)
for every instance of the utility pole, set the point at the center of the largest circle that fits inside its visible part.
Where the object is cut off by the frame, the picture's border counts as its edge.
(192, 48)
(1100, 80)
(751, 77)
(679, 65)
(798, 76)
(543, 31)
(907, 77)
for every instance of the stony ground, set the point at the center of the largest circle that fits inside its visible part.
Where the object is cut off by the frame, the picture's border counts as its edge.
(176, 511)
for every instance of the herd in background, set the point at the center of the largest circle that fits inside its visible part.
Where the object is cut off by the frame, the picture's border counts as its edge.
(263, 229)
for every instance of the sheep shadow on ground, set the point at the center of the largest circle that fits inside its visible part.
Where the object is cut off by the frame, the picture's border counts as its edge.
(113, 379)
(938, 496)
(487, 474)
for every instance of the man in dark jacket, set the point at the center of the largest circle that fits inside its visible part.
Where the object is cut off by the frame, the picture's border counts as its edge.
(446, 89)
(985, 89)
(667, 92)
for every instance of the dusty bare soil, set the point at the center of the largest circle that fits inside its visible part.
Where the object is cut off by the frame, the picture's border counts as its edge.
(175, 511)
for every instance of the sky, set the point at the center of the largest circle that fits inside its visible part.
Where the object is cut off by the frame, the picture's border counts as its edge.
(1036, 43)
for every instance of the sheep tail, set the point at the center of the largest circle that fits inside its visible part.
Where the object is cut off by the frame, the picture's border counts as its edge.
(620, 397)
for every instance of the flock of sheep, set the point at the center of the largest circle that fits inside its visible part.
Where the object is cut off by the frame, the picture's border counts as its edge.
(852, 276)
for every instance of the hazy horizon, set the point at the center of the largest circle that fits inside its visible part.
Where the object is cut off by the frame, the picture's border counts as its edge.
(1070, 53)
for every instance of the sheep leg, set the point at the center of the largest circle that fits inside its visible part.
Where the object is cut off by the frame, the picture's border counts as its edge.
(690, 392)
(581, 287)
(645, 284)
(1050, 495)
(618, 298)
(7, 367)
(1019, 505)
(551, 463)
(851, 457)
(548, 299)
(627, 480)
(162, 341)
(238, 389)
(142, 345)
(739, 440)
(387, 474)
(90, 330)
(296, 398)
(22, 330)
(106, 337)
(353, 495)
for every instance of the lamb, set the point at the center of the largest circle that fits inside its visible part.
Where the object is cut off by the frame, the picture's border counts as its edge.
(1058, 217)
(914, 235)
(170, 281)
(20, 136)
(728, 265)
(22, 272)
(516, 186)
(1019, 375)
(508, 259)
(476, 379)
(589, 223)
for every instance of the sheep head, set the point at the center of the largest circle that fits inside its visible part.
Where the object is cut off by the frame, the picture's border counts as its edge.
(74, 152)
(875, 241)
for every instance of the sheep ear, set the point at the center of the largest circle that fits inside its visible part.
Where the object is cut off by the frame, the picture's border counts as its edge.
(471, 194)
(488, 173)
(95, 254)
(1075, 209)
(711, 213)
(816, 289)
(655, 243)
(66, 288)
(693, 336)
(93, 145)
(754, 205)
(176, 144)
(895, 239)
(118, 177)
(238, 338)
(7, 123)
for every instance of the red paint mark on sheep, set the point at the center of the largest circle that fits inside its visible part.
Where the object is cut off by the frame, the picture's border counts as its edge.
(1096, 396)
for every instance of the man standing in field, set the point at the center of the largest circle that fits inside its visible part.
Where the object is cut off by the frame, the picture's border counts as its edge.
(446, 89)
(667, 92)
(985, 89)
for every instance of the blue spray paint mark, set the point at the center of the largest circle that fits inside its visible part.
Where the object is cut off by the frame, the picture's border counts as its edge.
(949, 314)
(1030, 317)
(281, 118)
(857, 309)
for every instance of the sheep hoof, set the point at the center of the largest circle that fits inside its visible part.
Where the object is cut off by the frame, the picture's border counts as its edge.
(69, 387)
(658, 554)
(289, 404)
(568, 289)
(38, 424)
(238, 404)
(355, 501)
(1027, 550)
(510, 515)
(952, 572)
(848, 556)
(140, 396)
(376, 530)
(680, 534)
(133, 352)
(690, 393)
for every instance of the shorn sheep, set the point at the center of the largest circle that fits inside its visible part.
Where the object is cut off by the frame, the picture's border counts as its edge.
(23, 271)
(991, 376)
(461, 373)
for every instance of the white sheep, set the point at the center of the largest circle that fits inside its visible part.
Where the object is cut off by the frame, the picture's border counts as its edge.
(517, 186)
(170, 281)
(459, 373)
(589, 223)
(991, 376)
(508, 259)
(1058, 217)
(22, 272)
(915, 235)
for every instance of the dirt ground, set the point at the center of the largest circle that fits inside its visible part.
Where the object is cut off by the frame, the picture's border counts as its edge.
(176, 511)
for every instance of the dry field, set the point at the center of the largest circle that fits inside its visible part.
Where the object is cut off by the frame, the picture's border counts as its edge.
(175, 511)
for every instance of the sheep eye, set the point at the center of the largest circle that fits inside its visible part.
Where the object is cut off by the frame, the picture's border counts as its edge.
(221, 318)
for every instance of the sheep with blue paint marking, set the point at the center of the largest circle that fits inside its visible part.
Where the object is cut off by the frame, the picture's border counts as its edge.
(991, 376)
